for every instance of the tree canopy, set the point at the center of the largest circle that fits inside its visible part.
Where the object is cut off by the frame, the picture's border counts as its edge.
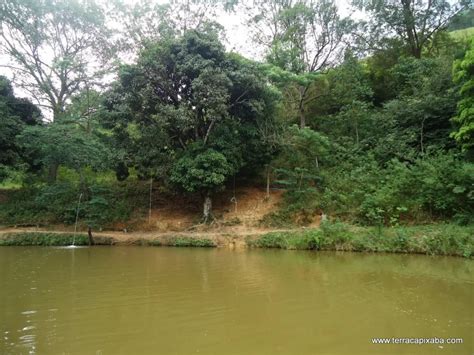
(368, 117)
(16, 114)
(198, 111)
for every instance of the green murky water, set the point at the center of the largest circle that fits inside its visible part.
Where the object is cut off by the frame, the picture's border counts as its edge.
(138, 300)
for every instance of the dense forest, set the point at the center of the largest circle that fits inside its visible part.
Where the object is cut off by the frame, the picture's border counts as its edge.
(367, 118)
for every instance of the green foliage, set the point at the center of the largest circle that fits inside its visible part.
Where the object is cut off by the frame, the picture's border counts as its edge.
(52, 68)
(49, 239)
(15, 115)
(372, 145)
(443, 239)
(66, 145)
(283, 240)
(463, 20)
(191, 242)
(101, 205)
(296, 169)
(302, 147)
(201, 170)
(300, 33)
(414, 25)
(433, 187)
(464, 74)
(202, 121)
(464, 34)
(417, 120)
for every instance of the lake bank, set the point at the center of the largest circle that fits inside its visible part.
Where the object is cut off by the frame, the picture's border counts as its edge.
(435, 239)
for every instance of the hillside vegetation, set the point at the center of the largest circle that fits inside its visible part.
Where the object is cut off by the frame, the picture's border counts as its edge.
(370, 123)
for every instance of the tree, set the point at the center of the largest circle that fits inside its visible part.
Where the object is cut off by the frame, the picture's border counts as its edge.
(60, 143)
(345, 99)
(464, 74)
(201, 170)
(16, 114)
(417, 120)
(414, 22)
(464, 19)
(50, 44)
(303, 149)
(297, 168)
(75, 140)
(196, 109)
(303, 38)
(148, 21)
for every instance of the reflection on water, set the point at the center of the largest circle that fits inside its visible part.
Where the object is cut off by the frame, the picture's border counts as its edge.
(132, 300)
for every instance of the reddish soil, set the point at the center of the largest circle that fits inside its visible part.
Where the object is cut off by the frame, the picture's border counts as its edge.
(244, 211)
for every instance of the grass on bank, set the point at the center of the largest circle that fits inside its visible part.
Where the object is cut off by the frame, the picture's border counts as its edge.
(50, 239)
(436, 239)
(192, 242)
(181, 242)
(64, 239)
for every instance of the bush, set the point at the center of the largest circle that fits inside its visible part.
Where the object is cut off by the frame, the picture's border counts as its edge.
(101, 205)
(438, 186)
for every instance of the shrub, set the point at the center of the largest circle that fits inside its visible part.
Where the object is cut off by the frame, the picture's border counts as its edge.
(437, 186)
(101, 205)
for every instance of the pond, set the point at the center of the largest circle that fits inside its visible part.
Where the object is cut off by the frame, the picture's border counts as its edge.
(145, 300)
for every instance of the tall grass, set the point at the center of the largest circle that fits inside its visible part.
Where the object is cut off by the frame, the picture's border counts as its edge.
(438, 239)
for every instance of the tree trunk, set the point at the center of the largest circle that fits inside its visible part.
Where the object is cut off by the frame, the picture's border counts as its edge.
(89, 233)
(207, 209)
(303, 91)
(410, 29)
(417, 52)
(302, 118)
(53, 172)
